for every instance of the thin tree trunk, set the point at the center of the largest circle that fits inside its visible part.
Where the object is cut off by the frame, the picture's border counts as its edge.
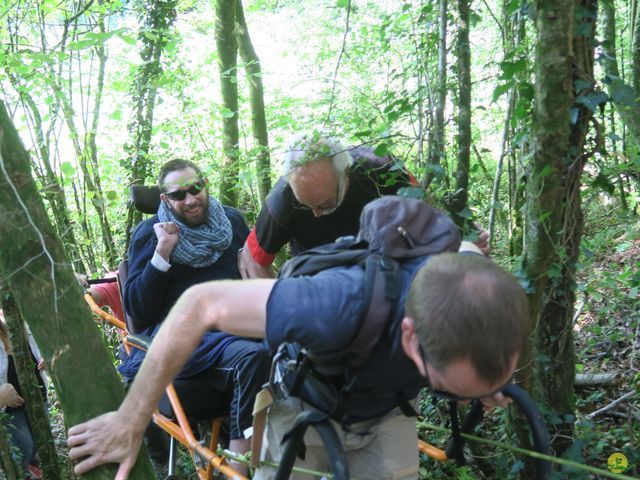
(624, 95)
(6, 461)
(635, 46)
(227, 43)
(159, 16)
(256, 91)
(49, 298)
(52, 189)
(614, 149)
(503, 152)
(34, 403)
(436, 146)
(461, 195)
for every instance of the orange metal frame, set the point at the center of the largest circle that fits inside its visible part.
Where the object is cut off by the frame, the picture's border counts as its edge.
(205, 458)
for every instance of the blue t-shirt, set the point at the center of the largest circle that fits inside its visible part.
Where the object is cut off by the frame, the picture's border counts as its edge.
(321, 313)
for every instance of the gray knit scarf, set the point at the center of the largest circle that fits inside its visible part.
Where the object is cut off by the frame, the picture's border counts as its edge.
(203, 245)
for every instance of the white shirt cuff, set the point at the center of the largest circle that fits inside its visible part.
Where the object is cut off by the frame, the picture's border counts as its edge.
(159, 262)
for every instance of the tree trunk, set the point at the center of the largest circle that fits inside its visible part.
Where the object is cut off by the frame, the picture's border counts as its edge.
(33, 401)
(6, 461)
(553, 215)
(625, 97)
(436, 145)
(459, 206)
(635, 46)
(158, 17)
(49, 298)
(52, 188)
(256, 91)
(495, 194)
(227, 44)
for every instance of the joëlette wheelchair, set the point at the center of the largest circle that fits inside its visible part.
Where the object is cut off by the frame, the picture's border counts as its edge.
(177, 410)
(187, 403)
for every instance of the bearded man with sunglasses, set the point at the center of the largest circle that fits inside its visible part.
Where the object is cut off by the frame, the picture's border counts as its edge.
(194, 239)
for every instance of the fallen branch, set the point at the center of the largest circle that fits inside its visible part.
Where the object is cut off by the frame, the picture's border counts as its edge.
(587, 379)
(606, 408)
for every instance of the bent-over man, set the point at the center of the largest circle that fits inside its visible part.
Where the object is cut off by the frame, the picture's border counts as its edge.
(459, 327)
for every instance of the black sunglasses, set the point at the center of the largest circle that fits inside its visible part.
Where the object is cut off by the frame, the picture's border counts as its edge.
(180, 195)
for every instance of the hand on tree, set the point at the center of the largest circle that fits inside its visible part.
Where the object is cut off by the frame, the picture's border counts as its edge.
(105, 439)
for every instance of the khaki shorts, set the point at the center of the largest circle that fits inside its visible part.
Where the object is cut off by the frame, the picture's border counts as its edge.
(382, 449)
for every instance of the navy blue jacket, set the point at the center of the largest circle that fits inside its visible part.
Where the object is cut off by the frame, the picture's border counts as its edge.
(150, 293)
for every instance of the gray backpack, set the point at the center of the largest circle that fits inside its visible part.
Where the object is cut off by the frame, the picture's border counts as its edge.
(393, 229)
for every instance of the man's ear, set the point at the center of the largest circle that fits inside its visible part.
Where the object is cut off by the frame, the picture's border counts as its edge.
(411, 346)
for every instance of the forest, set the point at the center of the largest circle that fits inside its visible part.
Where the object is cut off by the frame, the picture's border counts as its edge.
(520, 116)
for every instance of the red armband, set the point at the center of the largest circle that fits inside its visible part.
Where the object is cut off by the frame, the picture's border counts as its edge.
(257, 252)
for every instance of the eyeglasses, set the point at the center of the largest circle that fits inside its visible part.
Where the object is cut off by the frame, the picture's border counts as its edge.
(451, 397)
(323, 209)
(180, 195)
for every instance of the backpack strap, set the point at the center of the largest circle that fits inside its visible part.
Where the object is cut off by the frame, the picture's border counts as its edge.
(381, 294)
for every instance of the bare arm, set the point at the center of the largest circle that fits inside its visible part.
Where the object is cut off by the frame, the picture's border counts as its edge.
(231, 306)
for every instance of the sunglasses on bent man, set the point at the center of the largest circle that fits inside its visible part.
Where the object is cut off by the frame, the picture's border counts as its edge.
(194, 189)
(451, 397)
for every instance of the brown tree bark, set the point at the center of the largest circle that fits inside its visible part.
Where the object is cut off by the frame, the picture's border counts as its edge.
(158, 17)
(460, 198)
(49, 298)
(256, 92)
(227, 43)
(554, 222)
(624, 95)
(34, 403)
(437, 133)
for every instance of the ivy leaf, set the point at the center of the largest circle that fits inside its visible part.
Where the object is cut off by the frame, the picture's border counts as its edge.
(342, 3)
(586, 101)
(509, 69)
(545, 171)
(226, 113)
(382, 150)
(67, 169)
(579, 85)
(526, 91)
(624, 95)
(112, 195)
(501, 90)
(128, 39)
(465, 213)
(411, 192)
(602, 182)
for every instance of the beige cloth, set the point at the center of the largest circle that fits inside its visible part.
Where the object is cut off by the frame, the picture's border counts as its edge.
(382, 449)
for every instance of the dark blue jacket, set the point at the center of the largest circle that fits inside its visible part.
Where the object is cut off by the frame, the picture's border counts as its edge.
(150, 293)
